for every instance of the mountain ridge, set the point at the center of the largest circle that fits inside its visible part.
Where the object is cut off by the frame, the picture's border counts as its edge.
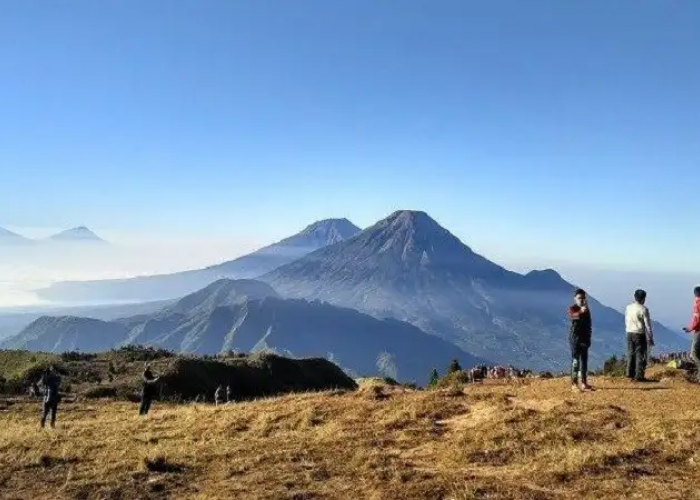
(249, 316)
(175, 285)
(409, 267)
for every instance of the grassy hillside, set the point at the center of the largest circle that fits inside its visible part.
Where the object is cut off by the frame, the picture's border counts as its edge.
(534, 439)
(117, 374)
(15, 364)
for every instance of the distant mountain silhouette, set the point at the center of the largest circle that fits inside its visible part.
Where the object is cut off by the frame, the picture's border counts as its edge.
(8, 238)
(169, 286)
(12, 323)
(81, 233)
(248, 316)
(68, 333)
(409, 267)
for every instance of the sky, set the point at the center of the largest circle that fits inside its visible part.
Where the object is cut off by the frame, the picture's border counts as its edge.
(542, 133)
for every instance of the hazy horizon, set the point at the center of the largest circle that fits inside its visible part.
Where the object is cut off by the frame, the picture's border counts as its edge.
(137, 254)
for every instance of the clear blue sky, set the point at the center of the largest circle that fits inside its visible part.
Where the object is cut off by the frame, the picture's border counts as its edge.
(532, 126)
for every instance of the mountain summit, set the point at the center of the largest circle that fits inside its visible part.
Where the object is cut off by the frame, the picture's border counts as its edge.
(405, 249)
(80, 233)
(408, 267)
(327, 232)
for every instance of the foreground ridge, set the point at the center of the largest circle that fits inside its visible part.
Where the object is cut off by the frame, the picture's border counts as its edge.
(526, 440)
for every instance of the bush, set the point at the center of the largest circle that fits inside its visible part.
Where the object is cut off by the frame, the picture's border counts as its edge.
(614, 367)
(434, 378)
(101, 392)
(455, 378)
(77, 356)
(133, 353)
(454, 367)
(255, 376)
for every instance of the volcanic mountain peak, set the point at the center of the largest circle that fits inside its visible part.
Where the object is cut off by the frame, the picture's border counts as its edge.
(416, 237)
(329, 231)
(80, 233)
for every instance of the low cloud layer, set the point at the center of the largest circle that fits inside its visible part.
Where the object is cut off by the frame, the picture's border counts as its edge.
(23, 269)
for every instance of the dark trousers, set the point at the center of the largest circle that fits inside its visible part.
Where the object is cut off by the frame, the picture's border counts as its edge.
(695, 353)
(637, 350)
(579, 363)
(49, 407)
(145, 405)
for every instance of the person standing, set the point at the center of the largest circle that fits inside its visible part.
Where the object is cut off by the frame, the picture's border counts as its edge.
(580, 333)
(694, 328)
(51, 382)
(640, 336)
(149, 390)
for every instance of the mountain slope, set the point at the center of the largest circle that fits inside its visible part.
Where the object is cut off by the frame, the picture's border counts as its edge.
(76, 234)
(169, 286)
(13, 322)
(410, 268)
(9, 238)
(247, 315)
(68, 333)
(358, 342)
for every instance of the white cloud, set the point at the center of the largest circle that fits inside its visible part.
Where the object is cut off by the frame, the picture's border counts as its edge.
(23, 269)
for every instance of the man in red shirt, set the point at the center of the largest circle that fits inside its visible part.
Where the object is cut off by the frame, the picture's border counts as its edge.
(694, 328)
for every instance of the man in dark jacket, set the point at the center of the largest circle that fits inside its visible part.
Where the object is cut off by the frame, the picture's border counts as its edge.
(580, 340)
(149, 390)
(51, 382)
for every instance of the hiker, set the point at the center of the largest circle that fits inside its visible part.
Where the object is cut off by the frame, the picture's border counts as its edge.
(149, 390)
(694, 328)
(640, 336)
(229, 394)
(51, 382)
(580, 340)
(218, 395)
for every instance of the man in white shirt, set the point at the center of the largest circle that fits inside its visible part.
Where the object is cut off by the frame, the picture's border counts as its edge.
(639, 336)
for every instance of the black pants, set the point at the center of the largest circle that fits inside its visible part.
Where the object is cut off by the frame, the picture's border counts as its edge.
(49, 407)
(146, 401)
(637, 351)
(579, 363)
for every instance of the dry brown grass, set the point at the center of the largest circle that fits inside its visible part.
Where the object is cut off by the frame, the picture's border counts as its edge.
(500, 441)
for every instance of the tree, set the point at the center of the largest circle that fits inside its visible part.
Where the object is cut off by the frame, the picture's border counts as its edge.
(434, 378)
(454, 367)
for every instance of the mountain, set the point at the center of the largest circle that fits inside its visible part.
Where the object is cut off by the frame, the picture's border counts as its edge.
(11, 323)
(8, 238)
(68, 333)
(170, 286)
(410, 268)
(249, 316)
(77, 234)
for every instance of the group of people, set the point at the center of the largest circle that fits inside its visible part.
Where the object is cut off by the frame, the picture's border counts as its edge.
(483, 372)
(219, 395)
(640, 336)
(51, 382)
